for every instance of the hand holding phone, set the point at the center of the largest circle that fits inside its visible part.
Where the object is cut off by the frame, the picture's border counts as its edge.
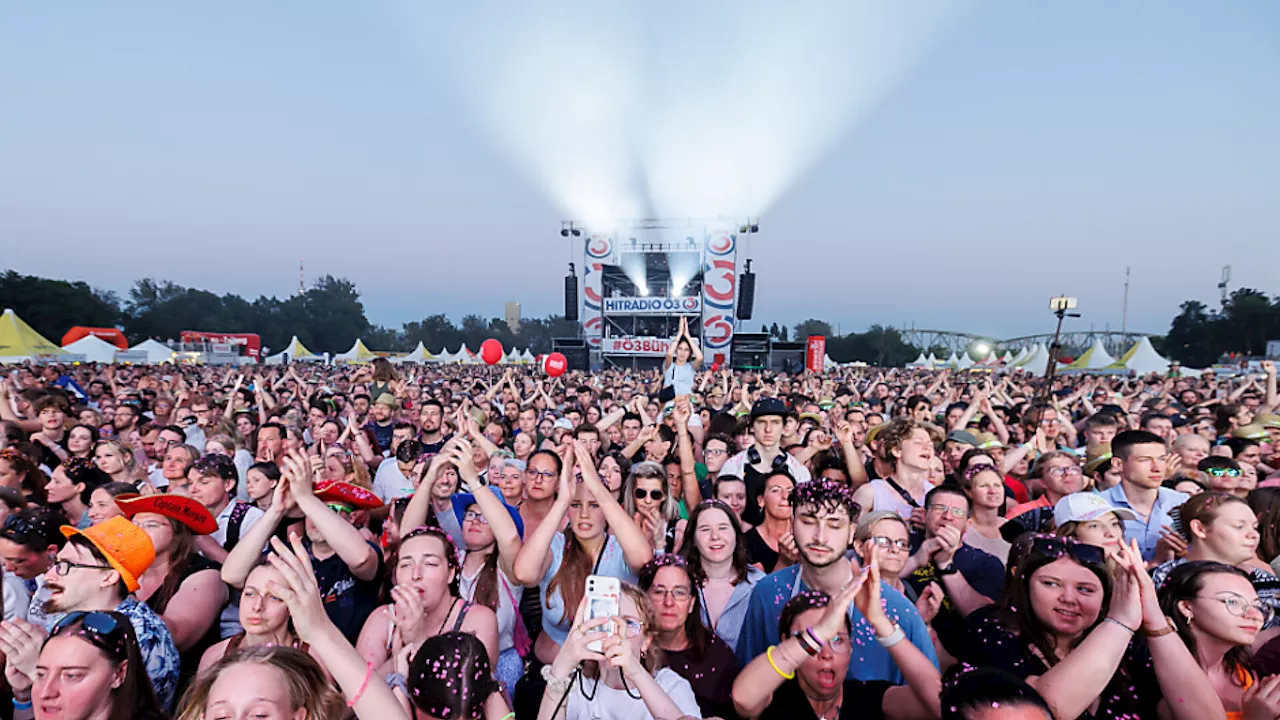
(604, 595)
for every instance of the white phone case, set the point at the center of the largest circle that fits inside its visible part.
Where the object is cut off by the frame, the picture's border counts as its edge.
(603, 600)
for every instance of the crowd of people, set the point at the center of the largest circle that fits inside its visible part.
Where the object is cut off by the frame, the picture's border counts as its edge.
(318, 542)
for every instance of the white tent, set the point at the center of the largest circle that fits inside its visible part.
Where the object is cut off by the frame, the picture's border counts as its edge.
(920, 361)
(358, 353)
(1008, 358)
(93, 348)
(294, 352)
(952, 361)
(828, 363)
(1017, 359)
(527, 356)
(965, 362)
(465, 356)
(156, 352)
(419, 355)
(932, 361)
(1095, 358)
(1036, 361)
(1142, 359)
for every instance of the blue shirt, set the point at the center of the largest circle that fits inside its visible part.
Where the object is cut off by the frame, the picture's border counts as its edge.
(612, 563)
(1147, 532)
(870, 660)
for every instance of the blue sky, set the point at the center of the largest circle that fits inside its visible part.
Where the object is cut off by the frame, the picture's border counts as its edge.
(951, 177)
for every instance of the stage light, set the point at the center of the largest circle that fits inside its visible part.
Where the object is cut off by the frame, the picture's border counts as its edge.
(564, 232)
(743, 230)
(644, 291)
(577, 232)
(755, 227)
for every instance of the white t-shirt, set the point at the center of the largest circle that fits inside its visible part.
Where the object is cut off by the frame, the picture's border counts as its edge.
(507, 592)
(253, 515)
(610, 704)
(389, 483)
(679, 377)
(16, 597)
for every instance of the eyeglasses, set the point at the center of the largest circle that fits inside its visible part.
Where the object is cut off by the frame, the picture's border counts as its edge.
(881, 541)
(955, 512)
(835, 643)
(99, 628)
(1061, 472)
(631, 627)
(544, 474)
(474, 516)
(339, 508)
(679, 594)
(1240, 607)
(715, 452)
(1054, 547)
(62, 567)
(1220, 472)
(653, 494)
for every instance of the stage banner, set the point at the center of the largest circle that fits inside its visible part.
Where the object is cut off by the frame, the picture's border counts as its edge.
(640, 346)
(598, 251)
(719, 295)
(653, 306)
(815, 357)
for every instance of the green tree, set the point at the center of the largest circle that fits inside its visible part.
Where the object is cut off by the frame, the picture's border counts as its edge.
(52, 307)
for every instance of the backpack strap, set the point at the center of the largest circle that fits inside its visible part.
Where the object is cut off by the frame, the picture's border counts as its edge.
(462, 615)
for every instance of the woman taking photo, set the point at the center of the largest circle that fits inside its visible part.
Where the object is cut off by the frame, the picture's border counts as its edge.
(263, 616)
(89, 668)
(558, 562)
(695, 653)
(804, 676)
(183, 587)
(765, 542)
(1067, 628)
(648, 499)
(715, 557)
(1223, 528)
(1218, 615)
(625, 679)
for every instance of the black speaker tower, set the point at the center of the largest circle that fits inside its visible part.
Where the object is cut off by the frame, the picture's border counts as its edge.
(746, 293)
(571, 295)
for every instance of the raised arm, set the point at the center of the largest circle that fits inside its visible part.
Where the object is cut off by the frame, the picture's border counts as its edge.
(635, 546)
(535, 557)
(342, 536)
(245, 555)
(852, 457)
(494, 511)
(684, 445)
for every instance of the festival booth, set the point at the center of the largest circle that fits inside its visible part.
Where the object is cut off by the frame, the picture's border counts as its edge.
(111, 335)
(1141, 359)
(294, 352)
(357, 354)
(154, 351)
(92, 348)
(19, 342)
(1035, 362)
(1094, 361)
(416, 355)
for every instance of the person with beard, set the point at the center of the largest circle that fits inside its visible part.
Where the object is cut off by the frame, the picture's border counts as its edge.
(822, 522)
(125, 420)
(98, 569)
(431, 426)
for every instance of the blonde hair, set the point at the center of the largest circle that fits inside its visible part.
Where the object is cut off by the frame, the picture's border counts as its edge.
(308, 686)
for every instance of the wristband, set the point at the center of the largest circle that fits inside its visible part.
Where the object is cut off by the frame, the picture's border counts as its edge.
(1168, 628)
(556, 685)
(768, 653)
(21, 705)
(814, 637)
(1126, 627)
(806, 644)
(892, 638)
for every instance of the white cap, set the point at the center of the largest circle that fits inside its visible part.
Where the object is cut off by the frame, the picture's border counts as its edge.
(564, 423)
(1086, 506)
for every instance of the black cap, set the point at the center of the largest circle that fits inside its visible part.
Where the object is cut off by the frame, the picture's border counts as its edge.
(769, 406)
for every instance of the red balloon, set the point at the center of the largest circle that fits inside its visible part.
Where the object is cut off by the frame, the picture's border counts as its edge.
(555, 364)
(491, 351)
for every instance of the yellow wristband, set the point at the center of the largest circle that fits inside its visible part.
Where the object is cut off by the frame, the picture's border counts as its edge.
(769, 654)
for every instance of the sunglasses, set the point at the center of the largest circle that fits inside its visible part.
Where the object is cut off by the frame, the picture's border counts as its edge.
(1055, 547)
(1220, 472)
(653, 494)
(99, 628)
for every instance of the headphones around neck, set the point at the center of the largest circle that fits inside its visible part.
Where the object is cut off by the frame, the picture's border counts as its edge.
(779, 460)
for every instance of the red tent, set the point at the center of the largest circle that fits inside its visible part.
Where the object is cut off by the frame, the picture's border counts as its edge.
(111, 335)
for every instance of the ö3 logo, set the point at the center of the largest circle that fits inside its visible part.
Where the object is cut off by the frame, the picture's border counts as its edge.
(717, 331)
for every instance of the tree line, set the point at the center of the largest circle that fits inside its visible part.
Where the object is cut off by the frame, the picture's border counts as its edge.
(329, 317)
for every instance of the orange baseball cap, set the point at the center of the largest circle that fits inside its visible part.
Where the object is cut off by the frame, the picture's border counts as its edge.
(127, 547)
(179, 507)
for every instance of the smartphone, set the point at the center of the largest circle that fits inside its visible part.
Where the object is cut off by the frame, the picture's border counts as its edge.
(603, 600)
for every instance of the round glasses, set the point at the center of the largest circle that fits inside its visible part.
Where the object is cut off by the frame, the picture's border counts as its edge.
(1240, 607)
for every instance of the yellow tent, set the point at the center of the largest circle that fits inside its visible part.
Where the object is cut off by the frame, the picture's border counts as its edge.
(358, 353)
(19, 342)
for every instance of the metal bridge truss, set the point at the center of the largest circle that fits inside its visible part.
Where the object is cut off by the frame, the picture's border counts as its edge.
(1114, 341)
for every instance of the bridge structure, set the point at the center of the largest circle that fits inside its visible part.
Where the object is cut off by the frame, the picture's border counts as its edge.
(1116, 342)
